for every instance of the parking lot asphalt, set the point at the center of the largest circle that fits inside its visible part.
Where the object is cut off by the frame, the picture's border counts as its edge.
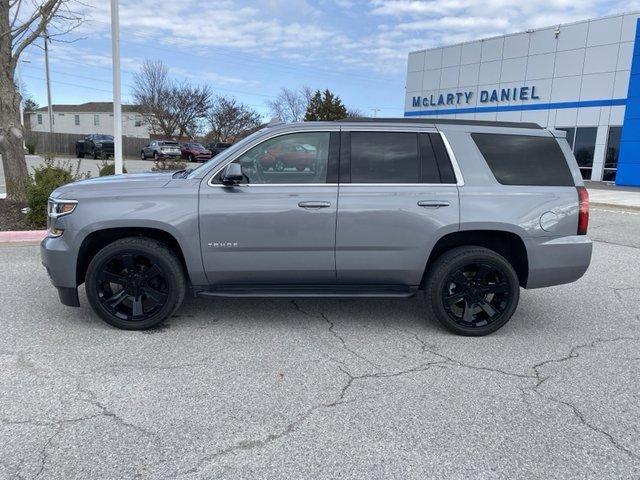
(314, 389)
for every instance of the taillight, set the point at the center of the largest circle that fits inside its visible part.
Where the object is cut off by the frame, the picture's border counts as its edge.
(583, 214)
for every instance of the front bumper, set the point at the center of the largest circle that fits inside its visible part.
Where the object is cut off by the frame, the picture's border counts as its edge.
(60, 263)
(555, 261)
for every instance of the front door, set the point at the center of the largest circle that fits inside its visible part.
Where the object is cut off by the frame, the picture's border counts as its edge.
(278, 226)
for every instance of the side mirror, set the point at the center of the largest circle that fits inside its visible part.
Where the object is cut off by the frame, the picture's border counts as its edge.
(232, 174)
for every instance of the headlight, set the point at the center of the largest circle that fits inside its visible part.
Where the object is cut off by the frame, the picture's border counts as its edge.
(57, 208)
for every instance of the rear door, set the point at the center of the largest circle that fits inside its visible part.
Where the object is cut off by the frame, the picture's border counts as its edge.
(397, 196)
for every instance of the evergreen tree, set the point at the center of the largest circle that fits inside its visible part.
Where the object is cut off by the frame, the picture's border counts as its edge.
(325, 106)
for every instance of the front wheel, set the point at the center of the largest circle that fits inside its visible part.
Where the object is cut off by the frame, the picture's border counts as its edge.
(135, 283)
(472, 290)
(142, 156)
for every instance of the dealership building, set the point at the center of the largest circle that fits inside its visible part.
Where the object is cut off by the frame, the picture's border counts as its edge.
(581, 77)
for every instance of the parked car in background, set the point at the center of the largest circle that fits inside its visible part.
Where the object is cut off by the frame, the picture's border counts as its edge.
(217, 147)
(467, 212)
(95, 145)
(194, 152)
(161, 149)
(288, 155)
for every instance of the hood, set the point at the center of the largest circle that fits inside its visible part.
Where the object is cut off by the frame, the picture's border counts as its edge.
(117, 184)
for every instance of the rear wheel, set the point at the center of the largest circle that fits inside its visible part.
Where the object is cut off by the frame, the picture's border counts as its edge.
(472, 290)
(78, 153)
(135, 283)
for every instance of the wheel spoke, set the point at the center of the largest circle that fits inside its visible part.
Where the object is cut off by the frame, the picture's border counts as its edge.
(112, 278)
(454, 298)
(117, 299)
(468, 316)
(497, 288)
(151, 272)
(154, 294)
(459, 278)
(489, 310)
(136, 306)
(482, 273)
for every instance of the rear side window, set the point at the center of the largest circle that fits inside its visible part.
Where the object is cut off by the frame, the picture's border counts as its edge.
(384, 157)
(524, 159)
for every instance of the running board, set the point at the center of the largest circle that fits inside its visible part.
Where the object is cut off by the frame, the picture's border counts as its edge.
(382, 291)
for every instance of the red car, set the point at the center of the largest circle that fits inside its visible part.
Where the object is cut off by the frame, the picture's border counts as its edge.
(194, 152)
(288, 155)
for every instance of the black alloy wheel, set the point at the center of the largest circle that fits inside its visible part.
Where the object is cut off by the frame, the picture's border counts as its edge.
(476, 294)
(135, 283)
(472, 290)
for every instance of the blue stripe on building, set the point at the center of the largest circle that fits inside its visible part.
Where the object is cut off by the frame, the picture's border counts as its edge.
(518, 108)
(629, 158)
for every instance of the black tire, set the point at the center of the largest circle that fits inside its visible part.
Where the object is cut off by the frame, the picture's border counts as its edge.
(142, 155)
(158, 275)
(78, 154)
(156, 157)
(94, 154)
(472, 290)
(191, 158)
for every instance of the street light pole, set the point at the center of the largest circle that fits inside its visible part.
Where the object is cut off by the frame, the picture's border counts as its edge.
(49, 105)
(117, 107)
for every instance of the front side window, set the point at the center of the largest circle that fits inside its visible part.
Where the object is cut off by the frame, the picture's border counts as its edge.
(291, 158)
(384, 157)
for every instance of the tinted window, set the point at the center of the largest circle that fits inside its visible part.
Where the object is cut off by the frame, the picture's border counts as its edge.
(442, 157)
(524, 160)
(585, 145)
(292, 158)
(384, 157)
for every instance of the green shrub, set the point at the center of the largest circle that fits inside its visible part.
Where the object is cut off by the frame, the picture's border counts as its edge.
(109, 168)
(45, 179)
(168, 165)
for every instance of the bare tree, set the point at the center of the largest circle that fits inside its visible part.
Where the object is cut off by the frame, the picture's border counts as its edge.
(291, 105)
(228, 119)
(168, 107)
(22, 22)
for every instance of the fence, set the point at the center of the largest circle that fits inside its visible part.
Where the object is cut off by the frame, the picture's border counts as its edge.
(65, 143)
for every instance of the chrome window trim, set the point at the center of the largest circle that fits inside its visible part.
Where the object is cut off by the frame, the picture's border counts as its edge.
(219, 168)
(454, 161)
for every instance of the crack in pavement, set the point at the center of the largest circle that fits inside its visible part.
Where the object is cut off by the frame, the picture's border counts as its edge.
(332, 330)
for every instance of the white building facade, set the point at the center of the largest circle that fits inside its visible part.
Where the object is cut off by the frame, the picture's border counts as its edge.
(89, 118)
(579, 77)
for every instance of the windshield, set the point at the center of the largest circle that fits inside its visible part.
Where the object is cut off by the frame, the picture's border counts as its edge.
(204, 168)
(168, 144)
(104, 138)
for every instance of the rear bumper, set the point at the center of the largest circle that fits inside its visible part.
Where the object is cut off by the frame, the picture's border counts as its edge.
(555, 261)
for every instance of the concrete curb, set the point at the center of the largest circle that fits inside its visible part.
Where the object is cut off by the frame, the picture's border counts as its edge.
(28, 236)
(630, 208)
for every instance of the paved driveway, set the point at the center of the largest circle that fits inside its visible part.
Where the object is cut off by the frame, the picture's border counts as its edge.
(313, 389)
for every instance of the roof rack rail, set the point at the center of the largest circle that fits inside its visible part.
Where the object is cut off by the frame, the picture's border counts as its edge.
(444, 121)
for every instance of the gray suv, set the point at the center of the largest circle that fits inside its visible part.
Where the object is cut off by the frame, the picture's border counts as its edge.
(465, 211)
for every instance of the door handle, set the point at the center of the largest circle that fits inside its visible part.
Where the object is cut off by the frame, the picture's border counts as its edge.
(314, 204)
(433, 203)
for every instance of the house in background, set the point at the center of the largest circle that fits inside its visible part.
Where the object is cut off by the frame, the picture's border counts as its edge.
(88, 118)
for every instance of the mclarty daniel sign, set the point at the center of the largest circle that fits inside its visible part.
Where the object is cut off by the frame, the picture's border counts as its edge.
(497, 95)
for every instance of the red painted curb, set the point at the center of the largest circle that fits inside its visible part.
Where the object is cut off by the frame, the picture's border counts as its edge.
(24, 236)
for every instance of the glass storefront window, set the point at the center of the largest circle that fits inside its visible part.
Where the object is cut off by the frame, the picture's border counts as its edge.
(611, 156)
(570, 134)
(584, 148)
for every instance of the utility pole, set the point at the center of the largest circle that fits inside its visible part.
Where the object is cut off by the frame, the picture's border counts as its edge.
(117, 107)
(375, 112)
(49, 106)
